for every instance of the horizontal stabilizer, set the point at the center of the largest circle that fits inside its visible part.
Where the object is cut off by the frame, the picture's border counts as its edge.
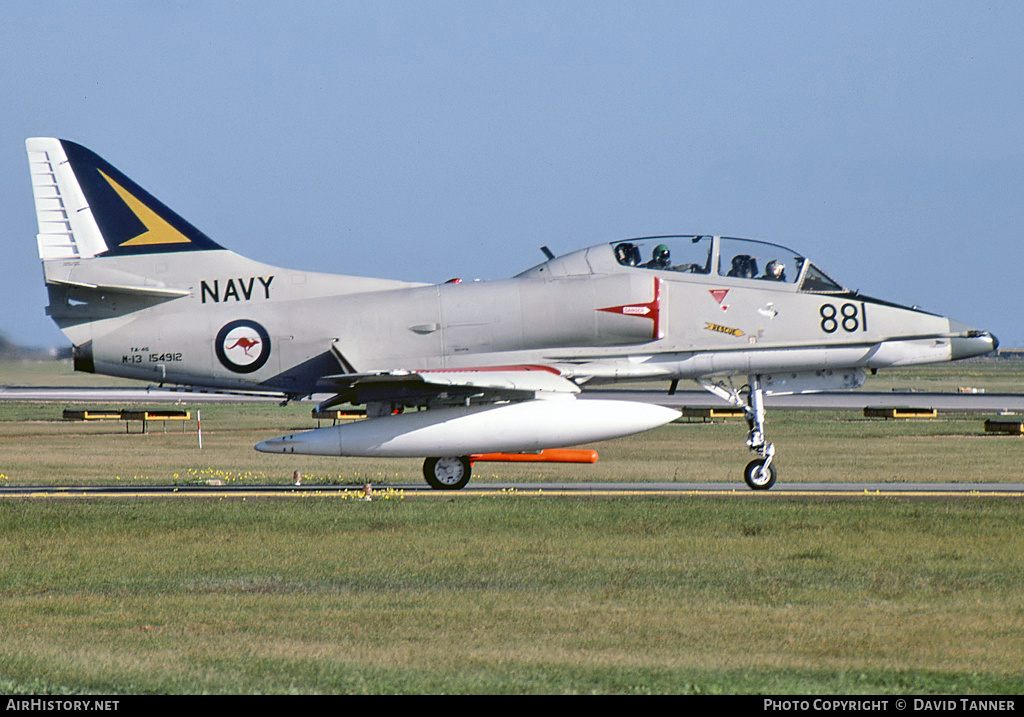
(150, 291)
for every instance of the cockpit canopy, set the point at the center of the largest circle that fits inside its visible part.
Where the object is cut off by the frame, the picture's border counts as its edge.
(724, 256)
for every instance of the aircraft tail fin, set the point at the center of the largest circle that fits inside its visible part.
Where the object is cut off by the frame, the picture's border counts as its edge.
(87, 208)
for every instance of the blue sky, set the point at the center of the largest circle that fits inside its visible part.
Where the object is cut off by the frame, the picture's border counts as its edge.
(427, 140)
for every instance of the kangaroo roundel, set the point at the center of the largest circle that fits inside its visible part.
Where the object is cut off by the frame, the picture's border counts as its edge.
(243, 346)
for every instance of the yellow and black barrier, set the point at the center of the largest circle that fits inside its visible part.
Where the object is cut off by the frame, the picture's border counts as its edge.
(128, 415)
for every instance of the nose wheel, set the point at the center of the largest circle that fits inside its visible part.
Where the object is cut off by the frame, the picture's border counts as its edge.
(759, 474)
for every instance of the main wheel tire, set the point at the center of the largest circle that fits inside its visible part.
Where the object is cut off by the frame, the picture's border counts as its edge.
(756, 477)
(448, 473)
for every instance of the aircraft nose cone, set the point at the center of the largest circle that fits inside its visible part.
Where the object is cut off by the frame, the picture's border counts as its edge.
(971, 341)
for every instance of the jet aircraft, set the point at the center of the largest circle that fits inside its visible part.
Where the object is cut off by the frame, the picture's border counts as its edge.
(453, 370)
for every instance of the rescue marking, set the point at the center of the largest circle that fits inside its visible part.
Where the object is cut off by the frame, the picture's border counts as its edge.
(723, 329)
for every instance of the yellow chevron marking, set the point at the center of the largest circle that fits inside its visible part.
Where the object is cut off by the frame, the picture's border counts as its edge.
(158, 231)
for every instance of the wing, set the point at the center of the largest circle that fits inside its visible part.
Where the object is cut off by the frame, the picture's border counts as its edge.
(445, 387)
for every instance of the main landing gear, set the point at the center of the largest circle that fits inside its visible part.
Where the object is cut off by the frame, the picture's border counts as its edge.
(759, 474)
(450, 473)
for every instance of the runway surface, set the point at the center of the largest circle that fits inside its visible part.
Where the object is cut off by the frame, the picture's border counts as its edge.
(793, 490)
(833, 401)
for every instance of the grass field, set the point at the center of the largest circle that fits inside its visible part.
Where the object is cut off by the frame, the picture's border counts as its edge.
(512, 594)
(38, 448)
(515, 592)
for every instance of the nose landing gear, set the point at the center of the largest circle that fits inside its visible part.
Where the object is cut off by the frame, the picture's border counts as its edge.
(759, 474)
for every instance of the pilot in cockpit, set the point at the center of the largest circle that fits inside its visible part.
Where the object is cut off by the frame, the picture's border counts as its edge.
(743, 266)
(627, 254)
(659, 259)
(775, 271)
